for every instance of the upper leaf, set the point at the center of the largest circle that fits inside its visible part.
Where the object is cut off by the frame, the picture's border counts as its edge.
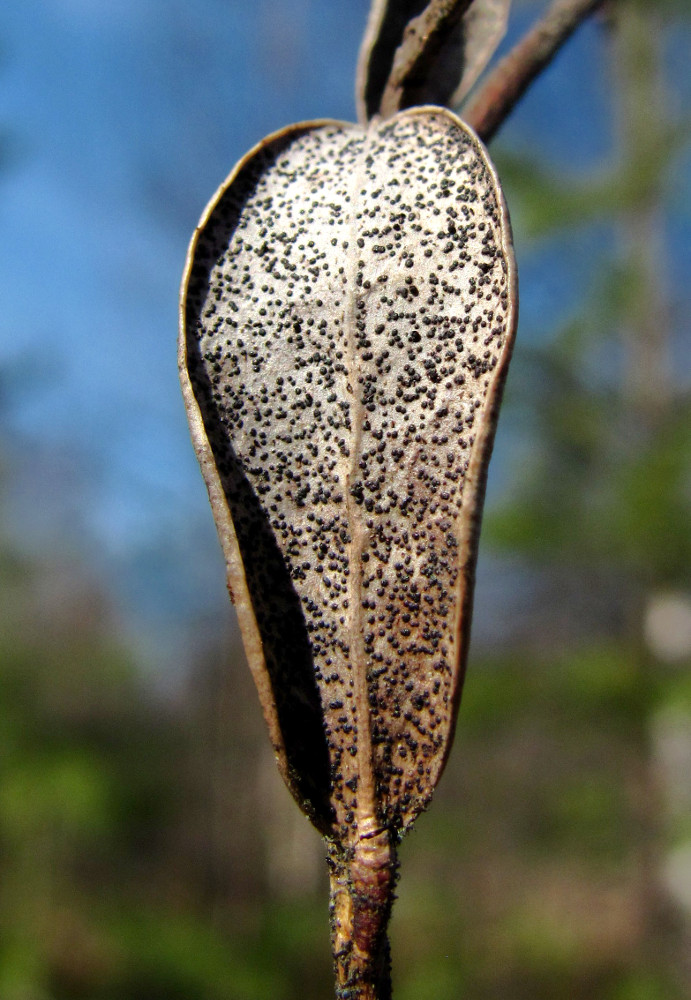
(425, 52)
(383, 34)
(349, 306)
(484, 26)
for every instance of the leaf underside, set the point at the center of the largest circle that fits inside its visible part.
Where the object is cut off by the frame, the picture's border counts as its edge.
(348, 312)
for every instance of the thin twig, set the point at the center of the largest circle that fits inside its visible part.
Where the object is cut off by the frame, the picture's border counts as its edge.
(413, 65)
(495, 99)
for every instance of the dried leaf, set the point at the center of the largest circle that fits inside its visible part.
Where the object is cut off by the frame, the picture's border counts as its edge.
(383, 34)
(348, 311)
(429, 61)
(425, 53)
(484, 27)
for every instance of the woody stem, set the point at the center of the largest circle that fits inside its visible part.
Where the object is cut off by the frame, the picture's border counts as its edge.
(362, 892)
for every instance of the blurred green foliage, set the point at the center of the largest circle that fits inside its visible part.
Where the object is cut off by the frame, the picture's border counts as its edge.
(147, 848)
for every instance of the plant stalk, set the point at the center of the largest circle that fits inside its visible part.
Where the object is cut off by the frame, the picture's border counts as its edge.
(362, 882)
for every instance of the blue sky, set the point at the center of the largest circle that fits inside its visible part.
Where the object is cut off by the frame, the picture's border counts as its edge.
(123, 117)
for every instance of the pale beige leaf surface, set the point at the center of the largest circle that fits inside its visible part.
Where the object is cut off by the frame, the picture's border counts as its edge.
(348, 312)
(484, 26)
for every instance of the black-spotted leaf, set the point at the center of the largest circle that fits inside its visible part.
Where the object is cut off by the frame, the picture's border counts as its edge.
(349, 308)
(348, 311)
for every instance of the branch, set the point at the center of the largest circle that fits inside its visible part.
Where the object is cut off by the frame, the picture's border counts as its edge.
(495, 99)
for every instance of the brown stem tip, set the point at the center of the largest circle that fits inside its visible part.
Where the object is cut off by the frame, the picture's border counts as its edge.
(362, 894)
